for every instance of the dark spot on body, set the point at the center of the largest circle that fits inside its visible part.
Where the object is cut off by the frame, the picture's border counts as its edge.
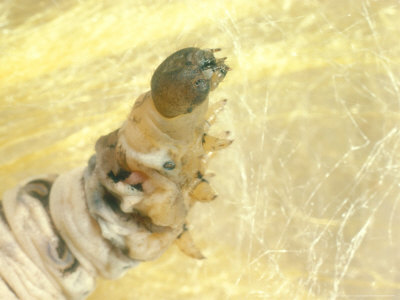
(73, 267)
(201, 176)
(39, 189)
(169, 165)
(137, 186)
(203, 138)
(121, 175)
(111, 200)
(184, 229)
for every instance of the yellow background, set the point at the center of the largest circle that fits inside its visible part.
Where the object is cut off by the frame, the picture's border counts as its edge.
(309, 191)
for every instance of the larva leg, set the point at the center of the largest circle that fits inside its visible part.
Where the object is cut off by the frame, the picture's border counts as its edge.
(213, 143)
(213, 112)
(146, 245)
(203, 191)
(186, 244)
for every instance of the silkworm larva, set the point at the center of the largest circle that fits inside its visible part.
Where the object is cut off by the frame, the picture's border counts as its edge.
(130, 203)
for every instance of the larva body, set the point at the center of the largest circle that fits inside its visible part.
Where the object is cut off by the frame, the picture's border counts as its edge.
(58, 233)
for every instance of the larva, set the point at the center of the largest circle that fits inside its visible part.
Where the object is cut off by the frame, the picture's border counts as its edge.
(129, 204)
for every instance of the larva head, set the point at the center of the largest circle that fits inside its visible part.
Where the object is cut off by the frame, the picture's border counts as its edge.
(184, 79)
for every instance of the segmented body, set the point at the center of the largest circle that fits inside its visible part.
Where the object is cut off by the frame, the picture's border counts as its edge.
(58, 233)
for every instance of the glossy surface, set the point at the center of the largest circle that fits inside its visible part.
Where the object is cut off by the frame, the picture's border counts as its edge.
(309, 191)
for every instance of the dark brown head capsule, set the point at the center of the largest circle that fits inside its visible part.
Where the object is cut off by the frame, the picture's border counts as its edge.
(184, 79)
